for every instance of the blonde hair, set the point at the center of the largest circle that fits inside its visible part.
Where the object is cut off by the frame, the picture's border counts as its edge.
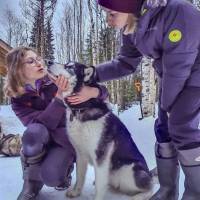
(132, 24)
(14, 84)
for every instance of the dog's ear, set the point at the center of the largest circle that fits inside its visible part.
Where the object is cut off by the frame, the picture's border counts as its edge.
(89, 73)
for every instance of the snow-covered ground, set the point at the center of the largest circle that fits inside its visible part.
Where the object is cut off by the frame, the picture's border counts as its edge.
(11, 173)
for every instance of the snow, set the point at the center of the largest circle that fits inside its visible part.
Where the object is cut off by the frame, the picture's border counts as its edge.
(10, 168)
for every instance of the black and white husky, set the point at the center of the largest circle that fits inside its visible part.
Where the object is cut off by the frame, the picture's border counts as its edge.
(102, 140)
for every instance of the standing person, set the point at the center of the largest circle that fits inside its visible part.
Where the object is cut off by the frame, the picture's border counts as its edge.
(47, 156)
(167, 31)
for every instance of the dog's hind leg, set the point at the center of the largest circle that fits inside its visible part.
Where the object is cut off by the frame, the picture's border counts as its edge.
(81, 169)
(124, 181)
(102, 174)
(143, 180)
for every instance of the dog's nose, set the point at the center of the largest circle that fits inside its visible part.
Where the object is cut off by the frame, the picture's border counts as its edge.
(48, 62)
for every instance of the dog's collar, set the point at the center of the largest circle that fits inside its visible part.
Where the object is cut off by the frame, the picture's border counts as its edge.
(76, 112)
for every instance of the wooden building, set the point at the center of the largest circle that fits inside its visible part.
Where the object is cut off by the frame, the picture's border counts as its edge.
(4, 49)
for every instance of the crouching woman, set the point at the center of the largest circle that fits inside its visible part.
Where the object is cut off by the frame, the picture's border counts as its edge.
(47, 156)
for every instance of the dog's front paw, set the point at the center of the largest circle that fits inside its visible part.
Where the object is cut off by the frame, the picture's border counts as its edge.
(73, 193)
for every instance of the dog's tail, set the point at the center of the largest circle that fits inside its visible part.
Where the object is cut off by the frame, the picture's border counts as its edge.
(154, 175)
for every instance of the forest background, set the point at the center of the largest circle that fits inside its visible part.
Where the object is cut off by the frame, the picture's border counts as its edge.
(76, 30)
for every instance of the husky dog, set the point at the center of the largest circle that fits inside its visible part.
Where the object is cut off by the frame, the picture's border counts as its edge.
(102, 140)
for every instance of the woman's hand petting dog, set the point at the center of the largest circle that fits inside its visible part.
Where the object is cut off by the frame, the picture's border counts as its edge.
(85, 94)
(62, 83)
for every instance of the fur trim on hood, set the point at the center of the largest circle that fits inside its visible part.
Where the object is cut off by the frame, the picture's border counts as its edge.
(156, 3)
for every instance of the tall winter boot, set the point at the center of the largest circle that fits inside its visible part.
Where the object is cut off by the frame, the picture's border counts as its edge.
(31, 175)
(168, 172)
(190, 163)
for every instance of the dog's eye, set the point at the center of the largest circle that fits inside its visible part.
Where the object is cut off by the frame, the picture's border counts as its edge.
(69, 65)
(66, 66)
(71, 71)
(48, 62)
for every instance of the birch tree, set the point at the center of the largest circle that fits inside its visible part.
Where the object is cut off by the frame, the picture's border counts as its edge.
(14, 29)
(148, 87)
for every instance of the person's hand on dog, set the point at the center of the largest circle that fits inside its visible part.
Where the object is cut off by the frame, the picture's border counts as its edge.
(85, 94)
(62, 83)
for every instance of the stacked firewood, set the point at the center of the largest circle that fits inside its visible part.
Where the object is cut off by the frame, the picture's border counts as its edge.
(10, 144)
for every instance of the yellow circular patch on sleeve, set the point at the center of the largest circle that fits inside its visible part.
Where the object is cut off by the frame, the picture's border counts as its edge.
(175, 35)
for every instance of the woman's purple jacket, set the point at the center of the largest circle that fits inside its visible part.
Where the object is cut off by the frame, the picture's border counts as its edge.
(41, 106)
(170, 34)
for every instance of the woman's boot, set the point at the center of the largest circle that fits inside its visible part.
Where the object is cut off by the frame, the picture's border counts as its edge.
(31, 175)
(190, 163)
(168, 172)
